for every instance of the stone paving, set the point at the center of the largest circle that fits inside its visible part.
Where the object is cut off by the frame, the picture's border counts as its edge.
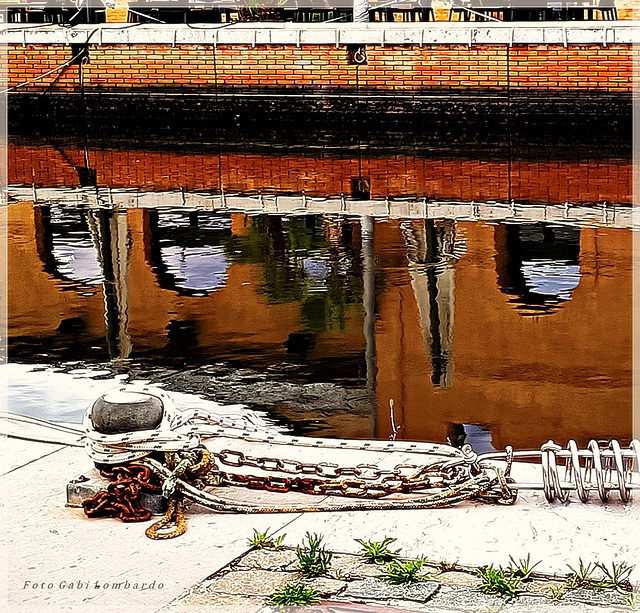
(352, 585)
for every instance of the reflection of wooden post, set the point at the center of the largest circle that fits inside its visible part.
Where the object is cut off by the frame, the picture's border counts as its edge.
(369, 304)
(113, 243)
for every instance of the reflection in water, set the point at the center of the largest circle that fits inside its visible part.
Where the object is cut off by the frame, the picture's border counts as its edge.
(113, 245)
(479, 437)
(539, 264)
(197, 269)
(185, 250)
(66, 246)
(432, 249)
(76, 259)
(376, 304)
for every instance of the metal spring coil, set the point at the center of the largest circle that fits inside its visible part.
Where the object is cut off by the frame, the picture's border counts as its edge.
(593, 469)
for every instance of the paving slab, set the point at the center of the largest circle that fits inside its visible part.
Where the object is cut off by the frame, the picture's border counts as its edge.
(266, 559)
(596, 597)
(373, 588)
(221, 604)
(353, 567)
(466, 599)
(17, 453)
(249, 583)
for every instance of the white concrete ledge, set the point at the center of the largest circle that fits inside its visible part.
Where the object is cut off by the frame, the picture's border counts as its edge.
(252, 34)
(613, 216)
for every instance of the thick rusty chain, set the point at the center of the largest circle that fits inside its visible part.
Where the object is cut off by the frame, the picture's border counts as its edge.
(121, 499)
(361, 481)
(478, 487)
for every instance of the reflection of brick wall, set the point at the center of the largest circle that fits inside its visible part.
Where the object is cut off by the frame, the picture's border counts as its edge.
(407, 68)
(537, 181)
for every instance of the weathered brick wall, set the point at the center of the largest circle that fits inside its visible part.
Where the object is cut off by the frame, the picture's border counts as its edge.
(402, 69)
(535, 181)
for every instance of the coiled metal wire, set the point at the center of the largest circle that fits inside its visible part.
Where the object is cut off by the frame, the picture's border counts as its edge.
(600, 469)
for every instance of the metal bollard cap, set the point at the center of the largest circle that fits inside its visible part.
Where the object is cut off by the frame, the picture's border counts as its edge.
(120, 411)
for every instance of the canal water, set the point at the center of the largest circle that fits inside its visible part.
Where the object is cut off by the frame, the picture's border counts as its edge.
(498, 313)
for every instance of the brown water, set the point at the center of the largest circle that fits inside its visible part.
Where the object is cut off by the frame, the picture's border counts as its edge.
(512, 333)
(503, 315)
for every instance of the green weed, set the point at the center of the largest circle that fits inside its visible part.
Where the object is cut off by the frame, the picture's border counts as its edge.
(397, 572)
(584, 576)
(313, 559)
(496, 581)
(262, 540)
(293, 596)
(522, 569)
(616, 578)
(378, 552)
(632, 601)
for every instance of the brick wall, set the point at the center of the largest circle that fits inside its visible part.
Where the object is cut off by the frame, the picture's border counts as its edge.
(400, 69)
(534, 181)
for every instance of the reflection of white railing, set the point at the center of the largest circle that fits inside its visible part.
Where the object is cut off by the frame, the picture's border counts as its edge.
(610, 215)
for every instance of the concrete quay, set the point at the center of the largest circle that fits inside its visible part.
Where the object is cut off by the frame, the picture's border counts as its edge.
(57, 559)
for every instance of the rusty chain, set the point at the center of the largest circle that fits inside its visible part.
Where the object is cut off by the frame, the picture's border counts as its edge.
(121, 499)
(361, 481)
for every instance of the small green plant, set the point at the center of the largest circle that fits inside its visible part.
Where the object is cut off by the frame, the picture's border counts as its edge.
(496, 581)
(584, 576)
(632, 601)
(262, 540)
(378, 552)
(313, 559)
(522, 569)
(397, 572)
(294, 596)
(616, 578)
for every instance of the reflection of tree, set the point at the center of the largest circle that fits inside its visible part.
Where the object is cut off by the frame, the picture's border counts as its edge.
(307, 259)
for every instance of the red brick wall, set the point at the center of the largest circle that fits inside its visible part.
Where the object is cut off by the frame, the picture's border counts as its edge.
(544, 181)
(406, 68)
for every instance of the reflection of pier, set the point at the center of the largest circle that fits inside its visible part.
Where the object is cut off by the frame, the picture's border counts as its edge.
(615, 216)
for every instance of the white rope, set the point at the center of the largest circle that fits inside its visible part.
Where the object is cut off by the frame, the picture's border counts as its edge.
(185, 430)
